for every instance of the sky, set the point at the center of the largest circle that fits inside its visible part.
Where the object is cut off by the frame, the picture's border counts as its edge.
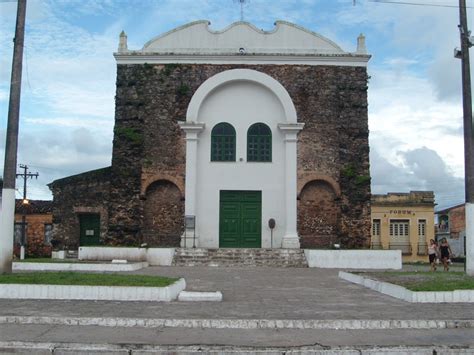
(68, 86)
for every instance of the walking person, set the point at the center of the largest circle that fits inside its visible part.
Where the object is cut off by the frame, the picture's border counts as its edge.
(446, 253)
(433, 254)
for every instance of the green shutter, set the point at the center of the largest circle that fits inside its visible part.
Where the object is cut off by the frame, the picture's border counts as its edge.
(259, 143)
(223, 139)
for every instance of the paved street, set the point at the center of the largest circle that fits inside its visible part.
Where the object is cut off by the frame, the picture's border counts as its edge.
(249, 293)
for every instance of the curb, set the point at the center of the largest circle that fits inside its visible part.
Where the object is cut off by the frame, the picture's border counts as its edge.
(402, 293)
(131, 349)
(25, 266)
(342, 324)
(95, 293)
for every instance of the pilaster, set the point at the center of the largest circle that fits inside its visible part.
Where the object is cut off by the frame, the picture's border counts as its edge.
(290, 239)
(192, 130)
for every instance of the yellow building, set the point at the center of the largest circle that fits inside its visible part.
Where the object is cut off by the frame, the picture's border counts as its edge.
(403, 221)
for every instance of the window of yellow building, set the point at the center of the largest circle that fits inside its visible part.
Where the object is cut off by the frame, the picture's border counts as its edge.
(399, 227)
(422, 227)
(376, 227)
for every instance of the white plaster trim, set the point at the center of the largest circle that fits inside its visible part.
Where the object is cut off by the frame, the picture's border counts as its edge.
(193, 296)
(290, 127)
(191, 127)
(335, 324)
(354, 259)
(96, 293)
(348, 60)
(400, 292)
(26, 266)
(241, 75)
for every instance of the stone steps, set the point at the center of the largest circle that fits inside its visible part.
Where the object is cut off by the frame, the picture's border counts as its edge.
(72, 254)
(240, 257)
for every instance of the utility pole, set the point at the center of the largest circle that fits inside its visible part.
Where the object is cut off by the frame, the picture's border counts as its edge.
(25, 175)
(468, 138)
(11, 146)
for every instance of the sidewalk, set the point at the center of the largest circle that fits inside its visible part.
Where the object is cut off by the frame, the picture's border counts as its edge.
(253, 293)
(313, 295)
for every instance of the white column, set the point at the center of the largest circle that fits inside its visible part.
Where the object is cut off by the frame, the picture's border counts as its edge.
(192, 130)
(290, 239)
(7, 220)
(470, 238)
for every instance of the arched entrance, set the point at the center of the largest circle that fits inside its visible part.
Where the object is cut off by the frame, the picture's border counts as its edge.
(318, 215)
(163, 215)
(243, 163)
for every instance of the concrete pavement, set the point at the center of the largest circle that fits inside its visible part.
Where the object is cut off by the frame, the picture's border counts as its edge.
(251, 294)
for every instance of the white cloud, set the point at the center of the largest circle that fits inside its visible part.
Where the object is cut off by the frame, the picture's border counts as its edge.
(75, 122)
(406, 108)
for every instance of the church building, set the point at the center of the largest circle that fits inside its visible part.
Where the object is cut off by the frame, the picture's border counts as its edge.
(238, 138)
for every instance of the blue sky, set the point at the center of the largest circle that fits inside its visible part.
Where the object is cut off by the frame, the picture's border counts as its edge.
(68, 88)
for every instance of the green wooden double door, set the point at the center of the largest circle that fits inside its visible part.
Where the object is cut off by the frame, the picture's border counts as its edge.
(240, 219)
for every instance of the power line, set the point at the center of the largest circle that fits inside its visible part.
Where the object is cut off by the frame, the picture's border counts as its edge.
(416, 3)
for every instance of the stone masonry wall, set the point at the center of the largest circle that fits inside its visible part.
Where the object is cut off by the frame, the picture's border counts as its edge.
(151, 99)
(83, 193)
(457, 221)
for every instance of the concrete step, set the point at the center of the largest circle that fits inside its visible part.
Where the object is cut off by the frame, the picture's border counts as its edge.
(240, 257)
(72, 254)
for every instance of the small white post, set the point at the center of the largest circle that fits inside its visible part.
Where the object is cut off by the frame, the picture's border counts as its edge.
(361, 48)
(122, 42)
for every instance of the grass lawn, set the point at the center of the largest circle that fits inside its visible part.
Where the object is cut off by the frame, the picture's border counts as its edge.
(426, 280)
(83, 279)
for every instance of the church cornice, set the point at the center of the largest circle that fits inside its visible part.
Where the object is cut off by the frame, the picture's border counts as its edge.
(359, 60)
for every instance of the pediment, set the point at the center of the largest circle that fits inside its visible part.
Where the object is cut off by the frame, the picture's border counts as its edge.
(197, 38)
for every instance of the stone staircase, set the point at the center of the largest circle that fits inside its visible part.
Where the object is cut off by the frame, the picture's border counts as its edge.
(240, 257)
(72, 254)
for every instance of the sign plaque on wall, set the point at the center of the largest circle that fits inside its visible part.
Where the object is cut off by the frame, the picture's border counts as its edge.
(190, 222)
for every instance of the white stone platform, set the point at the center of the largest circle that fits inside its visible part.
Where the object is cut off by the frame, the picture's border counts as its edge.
(194, 296)
(153, 256)
(354, 259)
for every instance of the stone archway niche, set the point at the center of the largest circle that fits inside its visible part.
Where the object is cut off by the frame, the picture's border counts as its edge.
(163, 215)
(318, 215)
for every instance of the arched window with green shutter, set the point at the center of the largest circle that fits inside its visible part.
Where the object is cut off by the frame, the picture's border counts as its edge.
(223, 142)
(259, 143)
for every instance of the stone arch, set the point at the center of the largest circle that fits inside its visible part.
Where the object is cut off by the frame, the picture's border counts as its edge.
(229, 76)
(318, 214)
(150, 179)
(163, 214)
(306, 178)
